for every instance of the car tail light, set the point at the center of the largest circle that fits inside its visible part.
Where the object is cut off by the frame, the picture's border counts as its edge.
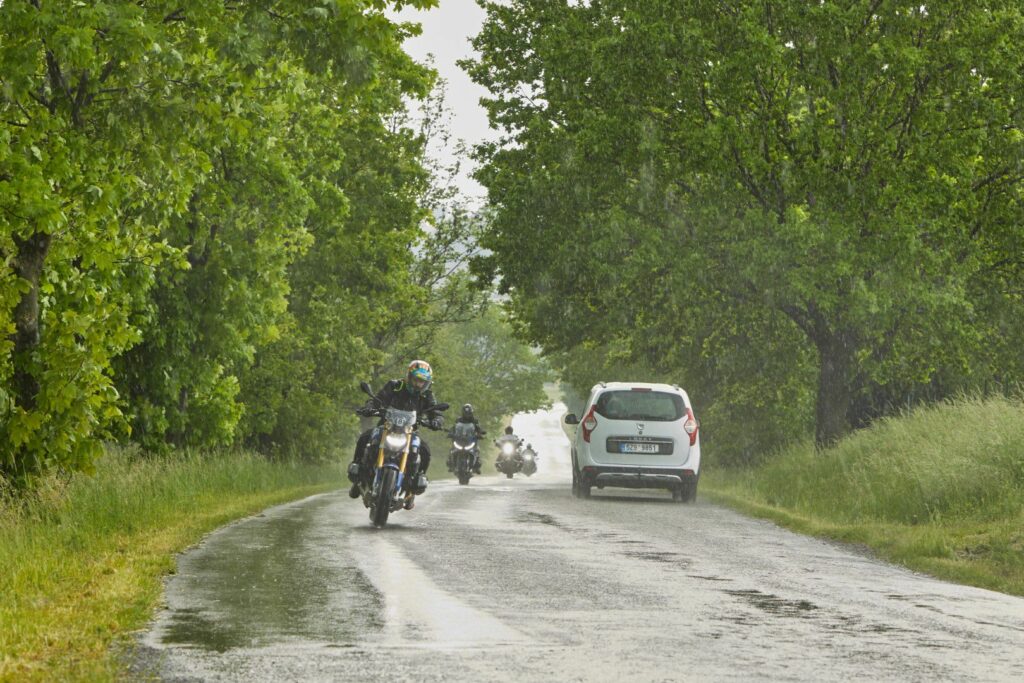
(589, 425)
(690, 426)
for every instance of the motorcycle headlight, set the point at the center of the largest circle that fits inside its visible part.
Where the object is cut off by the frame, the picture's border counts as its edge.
(395, 442)
(508, 449)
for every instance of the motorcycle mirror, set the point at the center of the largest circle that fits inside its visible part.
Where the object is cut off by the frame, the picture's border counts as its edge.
(366, 389)
(571, 419)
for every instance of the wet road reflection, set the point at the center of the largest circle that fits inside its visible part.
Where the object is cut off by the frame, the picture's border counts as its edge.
(280, 579)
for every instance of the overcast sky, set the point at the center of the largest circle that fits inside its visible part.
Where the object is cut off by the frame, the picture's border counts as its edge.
(446, 33)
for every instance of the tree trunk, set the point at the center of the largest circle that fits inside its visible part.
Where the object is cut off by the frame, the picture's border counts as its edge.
(835, 389)
(28, 265)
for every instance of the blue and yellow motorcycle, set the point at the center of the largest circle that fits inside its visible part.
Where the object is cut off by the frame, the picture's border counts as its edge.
(397, 445)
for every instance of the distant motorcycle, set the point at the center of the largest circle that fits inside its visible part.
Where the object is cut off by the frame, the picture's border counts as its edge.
(393, 441)
(509, 460)
(529, 458)
(463, 453)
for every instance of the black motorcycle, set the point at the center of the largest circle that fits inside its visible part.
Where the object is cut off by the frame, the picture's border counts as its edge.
(393, 440)
(463, 453)
(529, 460)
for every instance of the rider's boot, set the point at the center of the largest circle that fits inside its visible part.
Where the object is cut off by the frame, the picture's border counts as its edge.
(353, 476)
(420, 483)
(476, 464)
(410, 501)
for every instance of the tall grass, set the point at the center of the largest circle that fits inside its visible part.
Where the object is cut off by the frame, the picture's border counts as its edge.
(81, 557)
(941, 489)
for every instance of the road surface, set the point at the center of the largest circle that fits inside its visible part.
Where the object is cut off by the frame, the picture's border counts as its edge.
(516, 580)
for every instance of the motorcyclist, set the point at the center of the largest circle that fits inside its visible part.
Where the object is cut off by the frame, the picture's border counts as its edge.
(517, 442)
(411, 393)
(508, 433)
(467, 417)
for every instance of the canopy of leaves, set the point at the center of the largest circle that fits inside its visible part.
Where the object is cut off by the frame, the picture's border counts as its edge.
(163, 170)
(806, 212)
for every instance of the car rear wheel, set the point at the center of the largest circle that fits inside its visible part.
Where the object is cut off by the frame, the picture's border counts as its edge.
(575, 480)
(688, 491)
(582, 489)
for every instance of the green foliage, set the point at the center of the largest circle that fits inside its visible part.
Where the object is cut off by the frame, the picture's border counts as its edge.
(940, 489)
(804, 212)
(161, 169)
(958, 459)
(480, 362)
(368, 290)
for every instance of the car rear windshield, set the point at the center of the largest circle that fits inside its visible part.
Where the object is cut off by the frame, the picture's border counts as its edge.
(655, 406)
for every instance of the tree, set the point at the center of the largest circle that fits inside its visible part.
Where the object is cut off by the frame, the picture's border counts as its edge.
(481, 362)
(134, 133)
(828, 178)
(350, 284)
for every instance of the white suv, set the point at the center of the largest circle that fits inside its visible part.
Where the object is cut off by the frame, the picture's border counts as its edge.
(636, 435)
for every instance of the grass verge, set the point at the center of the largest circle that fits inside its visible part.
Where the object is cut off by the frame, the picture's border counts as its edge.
(940, 490)
(82, 560)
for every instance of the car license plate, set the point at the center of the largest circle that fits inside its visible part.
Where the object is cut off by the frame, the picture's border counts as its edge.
(638, 448)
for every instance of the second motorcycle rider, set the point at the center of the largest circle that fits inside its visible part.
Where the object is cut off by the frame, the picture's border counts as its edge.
(467, 417)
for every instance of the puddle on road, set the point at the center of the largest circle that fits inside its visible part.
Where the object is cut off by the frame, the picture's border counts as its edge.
(539, 518)
(269, 580)
(674, 559)
(773, 604)
(255, 616)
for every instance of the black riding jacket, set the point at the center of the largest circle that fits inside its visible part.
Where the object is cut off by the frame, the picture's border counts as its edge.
(396, 395)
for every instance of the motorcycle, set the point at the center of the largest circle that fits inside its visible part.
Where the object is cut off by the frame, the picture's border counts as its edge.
(394, 440)
(463, 452)
(509, 460)
(529, 457)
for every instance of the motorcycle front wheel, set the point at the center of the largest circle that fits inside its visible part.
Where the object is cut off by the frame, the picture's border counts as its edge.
(381, 507)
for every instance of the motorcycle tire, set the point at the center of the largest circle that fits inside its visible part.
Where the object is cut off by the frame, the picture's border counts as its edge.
(382, 505)
(463, 479)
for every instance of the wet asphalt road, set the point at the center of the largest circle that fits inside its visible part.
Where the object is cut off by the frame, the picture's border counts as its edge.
(516, 580)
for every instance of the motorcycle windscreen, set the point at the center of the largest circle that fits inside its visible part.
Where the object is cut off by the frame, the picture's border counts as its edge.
(465, 433)
(400, 419)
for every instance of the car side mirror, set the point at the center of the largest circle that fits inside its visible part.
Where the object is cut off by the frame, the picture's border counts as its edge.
(571, 419)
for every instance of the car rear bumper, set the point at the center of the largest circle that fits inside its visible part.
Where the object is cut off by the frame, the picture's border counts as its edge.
(637, 477)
